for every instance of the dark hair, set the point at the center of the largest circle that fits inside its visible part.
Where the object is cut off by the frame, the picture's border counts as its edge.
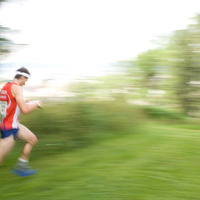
(22, 69)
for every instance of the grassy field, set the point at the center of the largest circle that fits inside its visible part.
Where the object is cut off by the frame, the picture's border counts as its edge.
(150, 160)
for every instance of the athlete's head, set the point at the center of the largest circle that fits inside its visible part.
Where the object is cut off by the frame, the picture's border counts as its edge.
(22, 75)
(22, 72)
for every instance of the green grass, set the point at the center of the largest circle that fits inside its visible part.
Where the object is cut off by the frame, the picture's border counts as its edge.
(156, 161)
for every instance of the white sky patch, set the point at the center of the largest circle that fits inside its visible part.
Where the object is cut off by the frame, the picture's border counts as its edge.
(84, 35)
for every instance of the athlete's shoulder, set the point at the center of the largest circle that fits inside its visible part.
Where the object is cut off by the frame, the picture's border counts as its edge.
(16, 89)
(8, 85)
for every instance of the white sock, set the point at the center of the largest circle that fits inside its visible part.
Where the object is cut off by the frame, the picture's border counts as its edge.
(22, 160)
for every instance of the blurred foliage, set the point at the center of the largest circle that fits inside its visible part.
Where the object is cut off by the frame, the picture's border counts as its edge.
(1, 1)
(74, 125)
(80, 123)
(185, 51)
(6, 44)
(159, 113)
(176, 66)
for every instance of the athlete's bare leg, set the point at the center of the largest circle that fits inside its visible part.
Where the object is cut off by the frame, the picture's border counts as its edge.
(26, 135)
(6, 145)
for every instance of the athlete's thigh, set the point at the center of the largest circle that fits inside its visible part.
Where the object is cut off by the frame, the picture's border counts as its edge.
(6, 144)
(25, 134)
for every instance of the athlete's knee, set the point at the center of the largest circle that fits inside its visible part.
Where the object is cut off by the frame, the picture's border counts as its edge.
(33, 140)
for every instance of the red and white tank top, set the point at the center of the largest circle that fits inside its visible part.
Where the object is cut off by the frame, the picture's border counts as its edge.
(9, 109)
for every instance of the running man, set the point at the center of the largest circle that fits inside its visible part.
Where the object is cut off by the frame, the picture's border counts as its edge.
(12, 103)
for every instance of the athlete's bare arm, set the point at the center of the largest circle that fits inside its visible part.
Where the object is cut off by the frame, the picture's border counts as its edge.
(18, 94)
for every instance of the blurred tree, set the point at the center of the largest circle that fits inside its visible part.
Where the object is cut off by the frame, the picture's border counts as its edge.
(178, 57)
(150, 63)
(2, 1)
(147, 71)
(185, 61)
(5, 43)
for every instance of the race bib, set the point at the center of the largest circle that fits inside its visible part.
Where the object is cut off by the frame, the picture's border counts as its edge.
(3, 108)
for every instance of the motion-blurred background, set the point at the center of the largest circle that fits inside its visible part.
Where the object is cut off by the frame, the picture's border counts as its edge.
(120, 81)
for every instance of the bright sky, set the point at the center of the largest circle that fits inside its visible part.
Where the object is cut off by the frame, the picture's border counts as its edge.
(84, 35)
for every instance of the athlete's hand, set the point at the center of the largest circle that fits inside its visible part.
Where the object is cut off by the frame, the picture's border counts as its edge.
(39, 104)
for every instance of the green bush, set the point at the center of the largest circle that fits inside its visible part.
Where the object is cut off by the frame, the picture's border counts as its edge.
(160, 113)
(81, 122)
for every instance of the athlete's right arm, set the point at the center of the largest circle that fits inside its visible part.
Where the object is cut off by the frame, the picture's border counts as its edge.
(18, 94)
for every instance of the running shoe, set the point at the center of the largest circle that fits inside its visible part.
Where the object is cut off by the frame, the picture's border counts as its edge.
(24, 172)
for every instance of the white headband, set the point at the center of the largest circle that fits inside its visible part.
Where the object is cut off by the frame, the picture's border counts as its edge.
(23, 74)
